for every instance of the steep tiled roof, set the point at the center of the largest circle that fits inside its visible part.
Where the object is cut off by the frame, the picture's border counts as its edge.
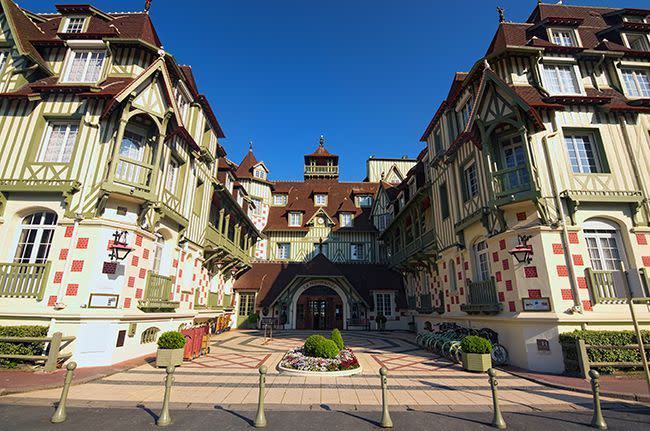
(245, 169)
(269, 279)
(340, 198)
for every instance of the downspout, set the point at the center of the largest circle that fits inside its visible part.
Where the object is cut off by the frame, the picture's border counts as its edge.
(598, 66)
(577, 306)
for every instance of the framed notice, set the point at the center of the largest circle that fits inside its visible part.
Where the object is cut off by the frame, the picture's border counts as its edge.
(103, 300)
(536, 304)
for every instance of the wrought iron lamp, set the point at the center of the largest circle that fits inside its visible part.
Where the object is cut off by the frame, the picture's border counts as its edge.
(120, 248)
(523, 251)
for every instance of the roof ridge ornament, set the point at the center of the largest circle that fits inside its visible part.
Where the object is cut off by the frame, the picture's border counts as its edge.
(250, 146)
(486, 65)
(501, 11)
(147, 6)
(322, 141)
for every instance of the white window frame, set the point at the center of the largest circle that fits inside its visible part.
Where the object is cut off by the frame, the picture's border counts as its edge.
(380, 305)
(295, 219)
(557, 63)
(482, 261)
(320, 199)
(358, 251)
(256, 208)
(283, 250)
(280, 199)
(360, 199)
(573, 36)
(183, 102)
(173, 170)
(41, 239)
(646, 40)
(343, 219)
(69, 23)
(594, 142)
(69, 142)
(72, 54)
(472, 188)
(230, 182)
(626, 90)
(259, 173)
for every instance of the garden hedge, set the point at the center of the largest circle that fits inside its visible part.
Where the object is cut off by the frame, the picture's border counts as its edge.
(320, 347)
(603, 338)
(475, 344)
(21, 348)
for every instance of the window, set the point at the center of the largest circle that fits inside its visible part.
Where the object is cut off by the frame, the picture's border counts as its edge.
(452, 276)
(563, 37)
(35, 238)
(358, 251)
(84, 66)
(583, 153)
(482, 261)
(230, 182)
(172, 174)
(383, 304)
(280, 199)
(74, 24)
(295, 219)
(602, 245)
(183, 105)
(149, 335)
(259, 173)
(637, 82)
(364, 201)
(58, 143)
(444, 201)
(246, 303)
(346, 220)
(637, 41)
(320, 199)
(437, 140)
(465, 113)
(131, 149)
(158, 252)
(283, 250)
(3, 58)
(513, 156)
(412, 188)
(560, 79)
(256, 209)
(634, 18)
(198, 197)
(470, 181)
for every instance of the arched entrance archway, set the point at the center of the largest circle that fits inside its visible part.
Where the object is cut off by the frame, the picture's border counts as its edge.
(319, 308)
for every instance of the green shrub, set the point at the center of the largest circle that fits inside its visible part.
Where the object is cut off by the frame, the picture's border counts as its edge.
(320, 347)
(602, 338)
(474, 344)
(21, 348)
(171, 340)
(337, 338)
(253, 318)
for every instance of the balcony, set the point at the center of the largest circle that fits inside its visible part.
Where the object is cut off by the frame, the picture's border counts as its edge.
(482, 298)
(157, 294)
(23, 280)
(325, 171)
(217, 242)
(512, 184)
(426, 304)
(606, 287)
(415, 250)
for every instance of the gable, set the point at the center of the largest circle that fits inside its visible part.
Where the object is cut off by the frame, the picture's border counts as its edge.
(5, 31)
(151, 98)
(394, 176)
(495, 106)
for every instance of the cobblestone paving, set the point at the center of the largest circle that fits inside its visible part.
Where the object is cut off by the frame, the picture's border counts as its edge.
(228, 376)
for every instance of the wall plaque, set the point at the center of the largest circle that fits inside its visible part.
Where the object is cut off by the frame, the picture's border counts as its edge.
(103, 300)
(536, 304)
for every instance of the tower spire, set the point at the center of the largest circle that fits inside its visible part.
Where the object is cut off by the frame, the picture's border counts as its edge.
(322, 141)
(250, 145)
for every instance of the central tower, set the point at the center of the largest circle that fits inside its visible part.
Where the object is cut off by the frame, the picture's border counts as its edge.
(321, 164)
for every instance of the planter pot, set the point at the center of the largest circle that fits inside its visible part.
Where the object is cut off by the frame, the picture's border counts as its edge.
(167, 357)
(477, 362)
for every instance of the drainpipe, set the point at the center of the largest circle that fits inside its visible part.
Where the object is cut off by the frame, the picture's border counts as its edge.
(577, 306)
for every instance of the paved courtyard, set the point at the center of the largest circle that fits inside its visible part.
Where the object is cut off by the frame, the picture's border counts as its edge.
(228, 376)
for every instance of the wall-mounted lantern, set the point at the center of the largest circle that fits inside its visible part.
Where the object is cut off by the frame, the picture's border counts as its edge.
(523, 252)
(120, 249)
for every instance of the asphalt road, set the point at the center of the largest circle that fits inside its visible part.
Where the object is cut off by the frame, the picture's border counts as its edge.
(13, 417)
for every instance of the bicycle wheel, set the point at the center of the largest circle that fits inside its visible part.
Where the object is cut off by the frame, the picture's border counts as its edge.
(499, 355)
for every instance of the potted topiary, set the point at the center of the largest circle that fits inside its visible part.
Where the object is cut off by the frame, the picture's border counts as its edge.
(380, 319)
(252, 320)
(170, 349)
(476, 353)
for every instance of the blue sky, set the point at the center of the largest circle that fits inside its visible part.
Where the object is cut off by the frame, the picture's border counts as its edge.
(368, 74)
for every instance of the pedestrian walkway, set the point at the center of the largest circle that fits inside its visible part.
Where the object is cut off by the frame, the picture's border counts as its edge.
(228, 376)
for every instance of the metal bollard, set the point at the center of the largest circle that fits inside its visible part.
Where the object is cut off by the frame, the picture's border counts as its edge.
(597, 421)
(386, 421)
(165, 419)
(497, 420)
(60, 413)
(260, 419)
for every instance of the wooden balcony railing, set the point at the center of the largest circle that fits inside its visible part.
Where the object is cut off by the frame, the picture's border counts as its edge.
(133, 173)
(216, 239)
(157, 294)
(482, 298)
(321, 170)
(23, 280)
(418, 245)
(603, 286)
(511, 181)
(226, 302)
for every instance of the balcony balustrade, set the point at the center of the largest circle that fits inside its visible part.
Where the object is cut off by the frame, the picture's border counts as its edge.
(23, 280)
(511, 181)
(426, 304)
(157, 294)
(133, 173)
(218, 240)
(321, 170)
(606, 287)
(482, 298)
(413, 248)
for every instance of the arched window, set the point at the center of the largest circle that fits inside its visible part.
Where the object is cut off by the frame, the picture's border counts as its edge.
(149, 335)
(482, 261)
(35, 239)
(452, 276)
(603, 244)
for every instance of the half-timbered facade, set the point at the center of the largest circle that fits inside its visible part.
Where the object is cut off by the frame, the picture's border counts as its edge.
(538, 163)
(107, 149)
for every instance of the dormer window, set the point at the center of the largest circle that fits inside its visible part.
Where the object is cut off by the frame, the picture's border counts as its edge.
(74, 24)
(364, 201)
(280, 199)
(346, 220)
(634, 18)
(465, 112)
(259, 173)
(295, 219)
(560, 78)
(563, 37)
(637, 82)
(320, 199)
(84, 66)
(637, 41)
